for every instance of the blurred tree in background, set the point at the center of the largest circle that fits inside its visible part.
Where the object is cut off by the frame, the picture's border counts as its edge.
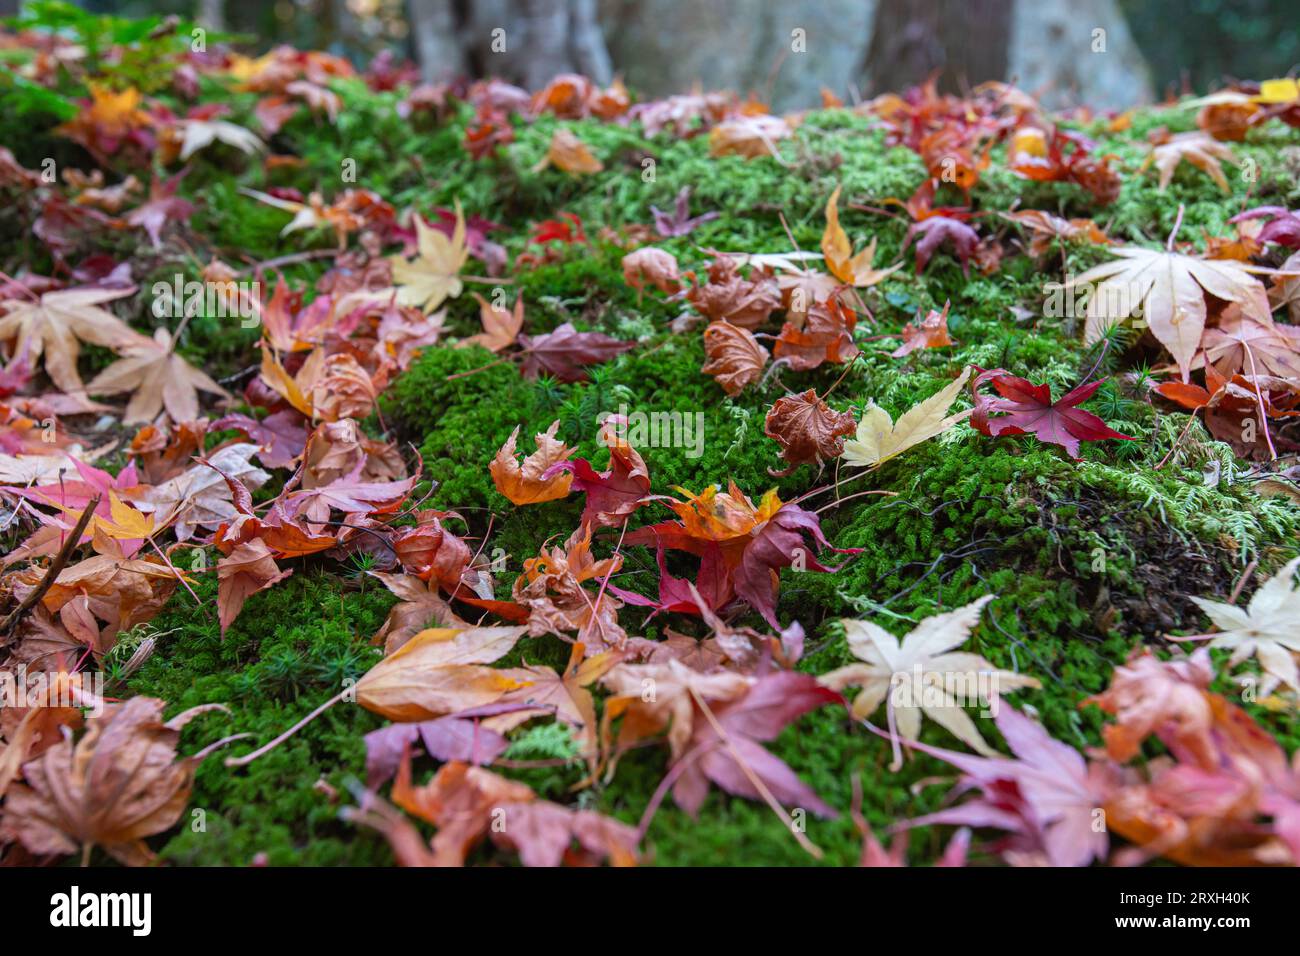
(1199, 42)
(850, 46)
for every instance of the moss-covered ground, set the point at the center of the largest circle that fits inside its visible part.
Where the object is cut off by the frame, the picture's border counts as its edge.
(1085, 558)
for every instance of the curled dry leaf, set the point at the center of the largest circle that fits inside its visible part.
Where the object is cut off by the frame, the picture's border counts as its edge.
(117, 785)
(746, 303)
(807, 429)
(653, 266)
(528, 485)
(569, 154)
(735, 359)
(930, 333)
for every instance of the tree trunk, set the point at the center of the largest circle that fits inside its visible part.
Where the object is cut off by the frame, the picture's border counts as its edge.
(211, 14)
(524, 41)
(436, 38)
(965, 41)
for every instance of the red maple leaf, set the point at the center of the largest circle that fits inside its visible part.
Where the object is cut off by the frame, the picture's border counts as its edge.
(1028, 409)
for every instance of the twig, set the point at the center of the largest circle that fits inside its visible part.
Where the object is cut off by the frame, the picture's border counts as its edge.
(811, 848)
(55, 568)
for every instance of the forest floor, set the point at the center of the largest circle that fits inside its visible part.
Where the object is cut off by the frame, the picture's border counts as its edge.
(1086, 559)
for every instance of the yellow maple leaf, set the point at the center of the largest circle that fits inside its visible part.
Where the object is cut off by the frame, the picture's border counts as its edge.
(840, 260)
(433, 275)
(880, 438)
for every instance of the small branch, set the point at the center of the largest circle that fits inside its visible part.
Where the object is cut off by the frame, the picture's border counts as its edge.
(54, 570)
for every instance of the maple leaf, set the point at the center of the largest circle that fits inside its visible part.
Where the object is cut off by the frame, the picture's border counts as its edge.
(655, 266)
(807, 429)
(924, 674)
(197, 134)
(467, 803)
(1047, 798)
(613, 494)
(162, 208)
(526, 485)
(564, 352)
(1046, 228)
(1241, 343)
(298, 389)
(930, 333)
(108, 120)
(500, 327)
(1281, 225)
(673, 705)
(117, 785)
(879, 438)
(1206, 803)
(1169, 290)
(838, 252)
(1268, 629)
(729, 744)
(681, 596)
(735, 359)
(202, 496)
(565, 695)
(460, 737)
(570, 154)
(280, 436)
(1028, 409)
(352, 210)
(680, 222)
(433, 276)
(551, 590)
(249, 568)
(52, 324)
(156, 377)
(934, 231)
(746, 303)
(420, 605)
(775, 545)
(749, 136)
(441, 671)
(348, 494)
(824, 333)
(1201, 151)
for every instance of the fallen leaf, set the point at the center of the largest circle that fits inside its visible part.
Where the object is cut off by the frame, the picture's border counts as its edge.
(526, 485)
(879, 438)
(1028, 409)
(807, 429)
(923, 674)
(735, 359)
(156, 377)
